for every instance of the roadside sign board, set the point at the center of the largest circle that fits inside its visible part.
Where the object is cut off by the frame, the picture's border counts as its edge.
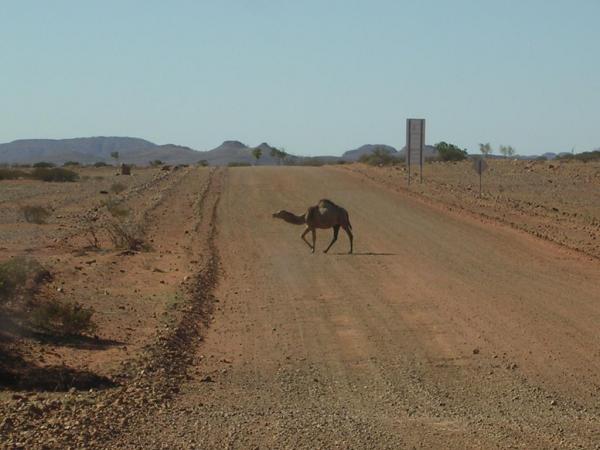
(415, 141)
(480, 165)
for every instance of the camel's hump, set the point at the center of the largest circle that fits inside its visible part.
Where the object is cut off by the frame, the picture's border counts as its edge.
(326, 201)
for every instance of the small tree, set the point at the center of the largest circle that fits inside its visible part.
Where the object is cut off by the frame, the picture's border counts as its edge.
(486, 149)
(115, 156)
(450, 152)
(506, 151)
(257, 153)
(279, 153)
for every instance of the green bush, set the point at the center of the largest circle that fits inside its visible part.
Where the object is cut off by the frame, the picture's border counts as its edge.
(35, 214)
(12, 174)
(54, 174)
(238, 164)
(70, 318)
(71, 164)
(19, 275)
(450, 152)
(380, 157)
(44, 165)
(101, 164)
(584, 156)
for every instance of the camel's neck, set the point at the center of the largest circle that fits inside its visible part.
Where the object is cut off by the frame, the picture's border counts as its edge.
(292, 218)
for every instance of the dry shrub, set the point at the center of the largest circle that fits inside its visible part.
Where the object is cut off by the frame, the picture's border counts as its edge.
(126, 235)
(44, 164)
(20, 276)
(68, 318)
(380, 157)
(35, 214)
(55, 174)
(117, 188)
(115, 208)
(12, 174)
(91, 231)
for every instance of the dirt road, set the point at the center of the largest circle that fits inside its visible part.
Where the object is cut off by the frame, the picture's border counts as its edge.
(440, 331)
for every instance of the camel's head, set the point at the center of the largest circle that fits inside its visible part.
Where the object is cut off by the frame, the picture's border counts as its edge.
(279, 214)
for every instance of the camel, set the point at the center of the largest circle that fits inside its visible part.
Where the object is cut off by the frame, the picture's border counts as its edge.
(325, 214)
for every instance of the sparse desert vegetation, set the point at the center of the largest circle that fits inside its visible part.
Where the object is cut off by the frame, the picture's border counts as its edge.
(19, 279)
(24, 302)
(54, 174)
(12, 174)
(380, 157)
(68, 319)
(35, 214)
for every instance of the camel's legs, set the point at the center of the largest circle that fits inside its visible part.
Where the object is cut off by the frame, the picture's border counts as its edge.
(349, 233)
(304, 239)
(336, 229)
(314, 235)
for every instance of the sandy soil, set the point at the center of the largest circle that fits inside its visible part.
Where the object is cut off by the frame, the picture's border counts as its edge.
(440, 331)
(129, 292)
(553, 200)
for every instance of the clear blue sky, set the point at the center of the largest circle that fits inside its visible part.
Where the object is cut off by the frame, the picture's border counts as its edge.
(315, 77)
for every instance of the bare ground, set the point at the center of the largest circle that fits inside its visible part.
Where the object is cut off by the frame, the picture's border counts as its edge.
(553, 200)
(440, 331)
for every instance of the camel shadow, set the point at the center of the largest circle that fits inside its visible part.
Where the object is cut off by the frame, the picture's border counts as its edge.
(365, 254)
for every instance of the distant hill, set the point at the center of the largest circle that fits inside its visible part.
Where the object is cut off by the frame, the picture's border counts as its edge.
(237, 152)
(140, 151)
(131, 150)
(354, 155)
(169, 154)
(94, 149)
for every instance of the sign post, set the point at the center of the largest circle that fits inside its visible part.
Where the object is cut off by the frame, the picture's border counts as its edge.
(479, 165)
(415, 141)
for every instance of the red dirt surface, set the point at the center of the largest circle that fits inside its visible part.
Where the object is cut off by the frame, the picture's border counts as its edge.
(442, 330)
